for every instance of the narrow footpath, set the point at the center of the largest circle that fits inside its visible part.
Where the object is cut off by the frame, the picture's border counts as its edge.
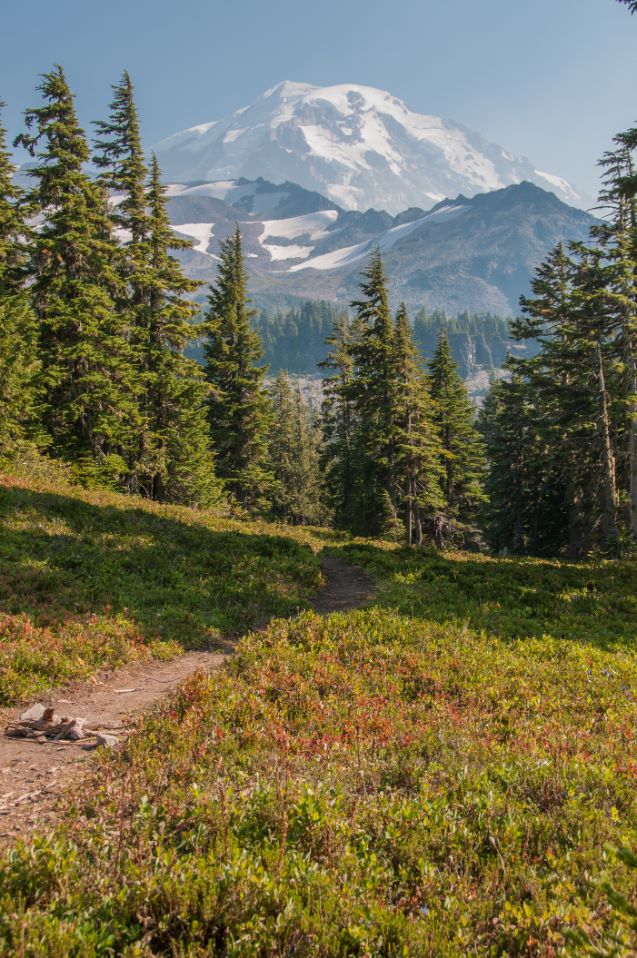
(34, 775)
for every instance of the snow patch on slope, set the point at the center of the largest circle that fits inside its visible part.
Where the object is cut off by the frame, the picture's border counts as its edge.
(201, 233)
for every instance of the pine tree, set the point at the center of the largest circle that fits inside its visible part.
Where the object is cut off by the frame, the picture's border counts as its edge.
(462, 450)
(294, 453)
(339, 425)
(239, 409)
(418, 454)
(177, 454)
(19, 357)
(90, 406)
(372, 395)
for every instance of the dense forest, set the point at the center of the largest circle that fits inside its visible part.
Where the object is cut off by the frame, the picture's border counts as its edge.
(98, 325)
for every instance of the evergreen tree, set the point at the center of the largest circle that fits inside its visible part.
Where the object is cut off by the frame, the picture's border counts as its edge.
(294, 453)
(462, 450)
(617, 236)
(177, 459)
(19, 359)
(120, 156)
(552, 435)
(339, 425)
(418, 467)
(372, 395)
(90, 408)
(525, 507)
(239, 409)
(172, 460)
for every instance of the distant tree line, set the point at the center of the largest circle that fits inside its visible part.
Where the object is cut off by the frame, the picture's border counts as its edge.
(294, 338)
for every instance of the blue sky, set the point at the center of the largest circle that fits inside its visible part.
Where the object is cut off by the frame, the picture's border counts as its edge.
(549, 79)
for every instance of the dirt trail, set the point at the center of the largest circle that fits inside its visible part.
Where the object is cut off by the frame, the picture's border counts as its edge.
(33, 776)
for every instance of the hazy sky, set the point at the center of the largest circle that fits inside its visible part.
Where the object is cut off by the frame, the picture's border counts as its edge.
(549, 79)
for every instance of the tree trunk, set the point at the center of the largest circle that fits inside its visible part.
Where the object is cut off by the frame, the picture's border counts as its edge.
(609, 489)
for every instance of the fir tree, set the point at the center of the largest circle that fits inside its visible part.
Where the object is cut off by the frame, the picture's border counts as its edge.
(177, 457)
(372, 395)
(551, 437)
(618, 239)
(120, 156)
(90, 408)
(339, 425)
(462, 450)
(19, 358)
(294, 453)
(239, 409)
(418, 467)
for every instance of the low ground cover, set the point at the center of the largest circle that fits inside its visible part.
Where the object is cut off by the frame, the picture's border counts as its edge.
(90, 580)
(397, 781)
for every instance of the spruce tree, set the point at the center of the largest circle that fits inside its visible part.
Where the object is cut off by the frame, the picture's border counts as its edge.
(19, 353)
(294, 453)
(462, 449)
(90, 408)
(239, 409)
(418, 466)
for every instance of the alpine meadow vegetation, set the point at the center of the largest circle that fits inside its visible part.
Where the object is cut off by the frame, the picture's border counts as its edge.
(449, 768)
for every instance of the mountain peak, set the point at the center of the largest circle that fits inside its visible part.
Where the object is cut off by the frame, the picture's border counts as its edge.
(288, 88)
(360, 146)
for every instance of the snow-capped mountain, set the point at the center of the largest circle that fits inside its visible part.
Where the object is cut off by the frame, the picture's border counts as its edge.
(359, 146)
(474, 253)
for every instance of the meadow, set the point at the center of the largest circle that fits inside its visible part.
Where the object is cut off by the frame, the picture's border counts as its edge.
(449, 772)
(91, 580)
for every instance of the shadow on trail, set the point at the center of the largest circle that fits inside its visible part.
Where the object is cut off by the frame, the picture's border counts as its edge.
(589, 602)
(62, 559)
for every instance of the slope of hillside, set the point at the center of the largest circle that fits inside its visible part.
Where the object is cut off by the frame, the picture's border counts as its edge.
(474, 254)
(360, 146)
(91, 579)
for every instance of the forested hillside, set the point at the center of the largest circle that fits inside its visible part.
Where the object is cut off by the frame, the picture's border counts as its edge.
(294, 338)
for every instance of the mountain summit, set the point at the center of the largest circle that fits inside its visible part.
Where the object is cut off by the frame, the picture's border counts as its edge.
(359, 146)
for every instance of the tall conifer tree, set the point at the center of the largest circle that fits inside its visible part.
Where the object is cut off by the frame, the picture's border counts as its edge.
(339, 425)
(462, 450)
(294, 452)
(178, 457)
(239, 409)
(418, 465)
(90, 405)
(617, 236)
(372, 394)
(19, 353)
